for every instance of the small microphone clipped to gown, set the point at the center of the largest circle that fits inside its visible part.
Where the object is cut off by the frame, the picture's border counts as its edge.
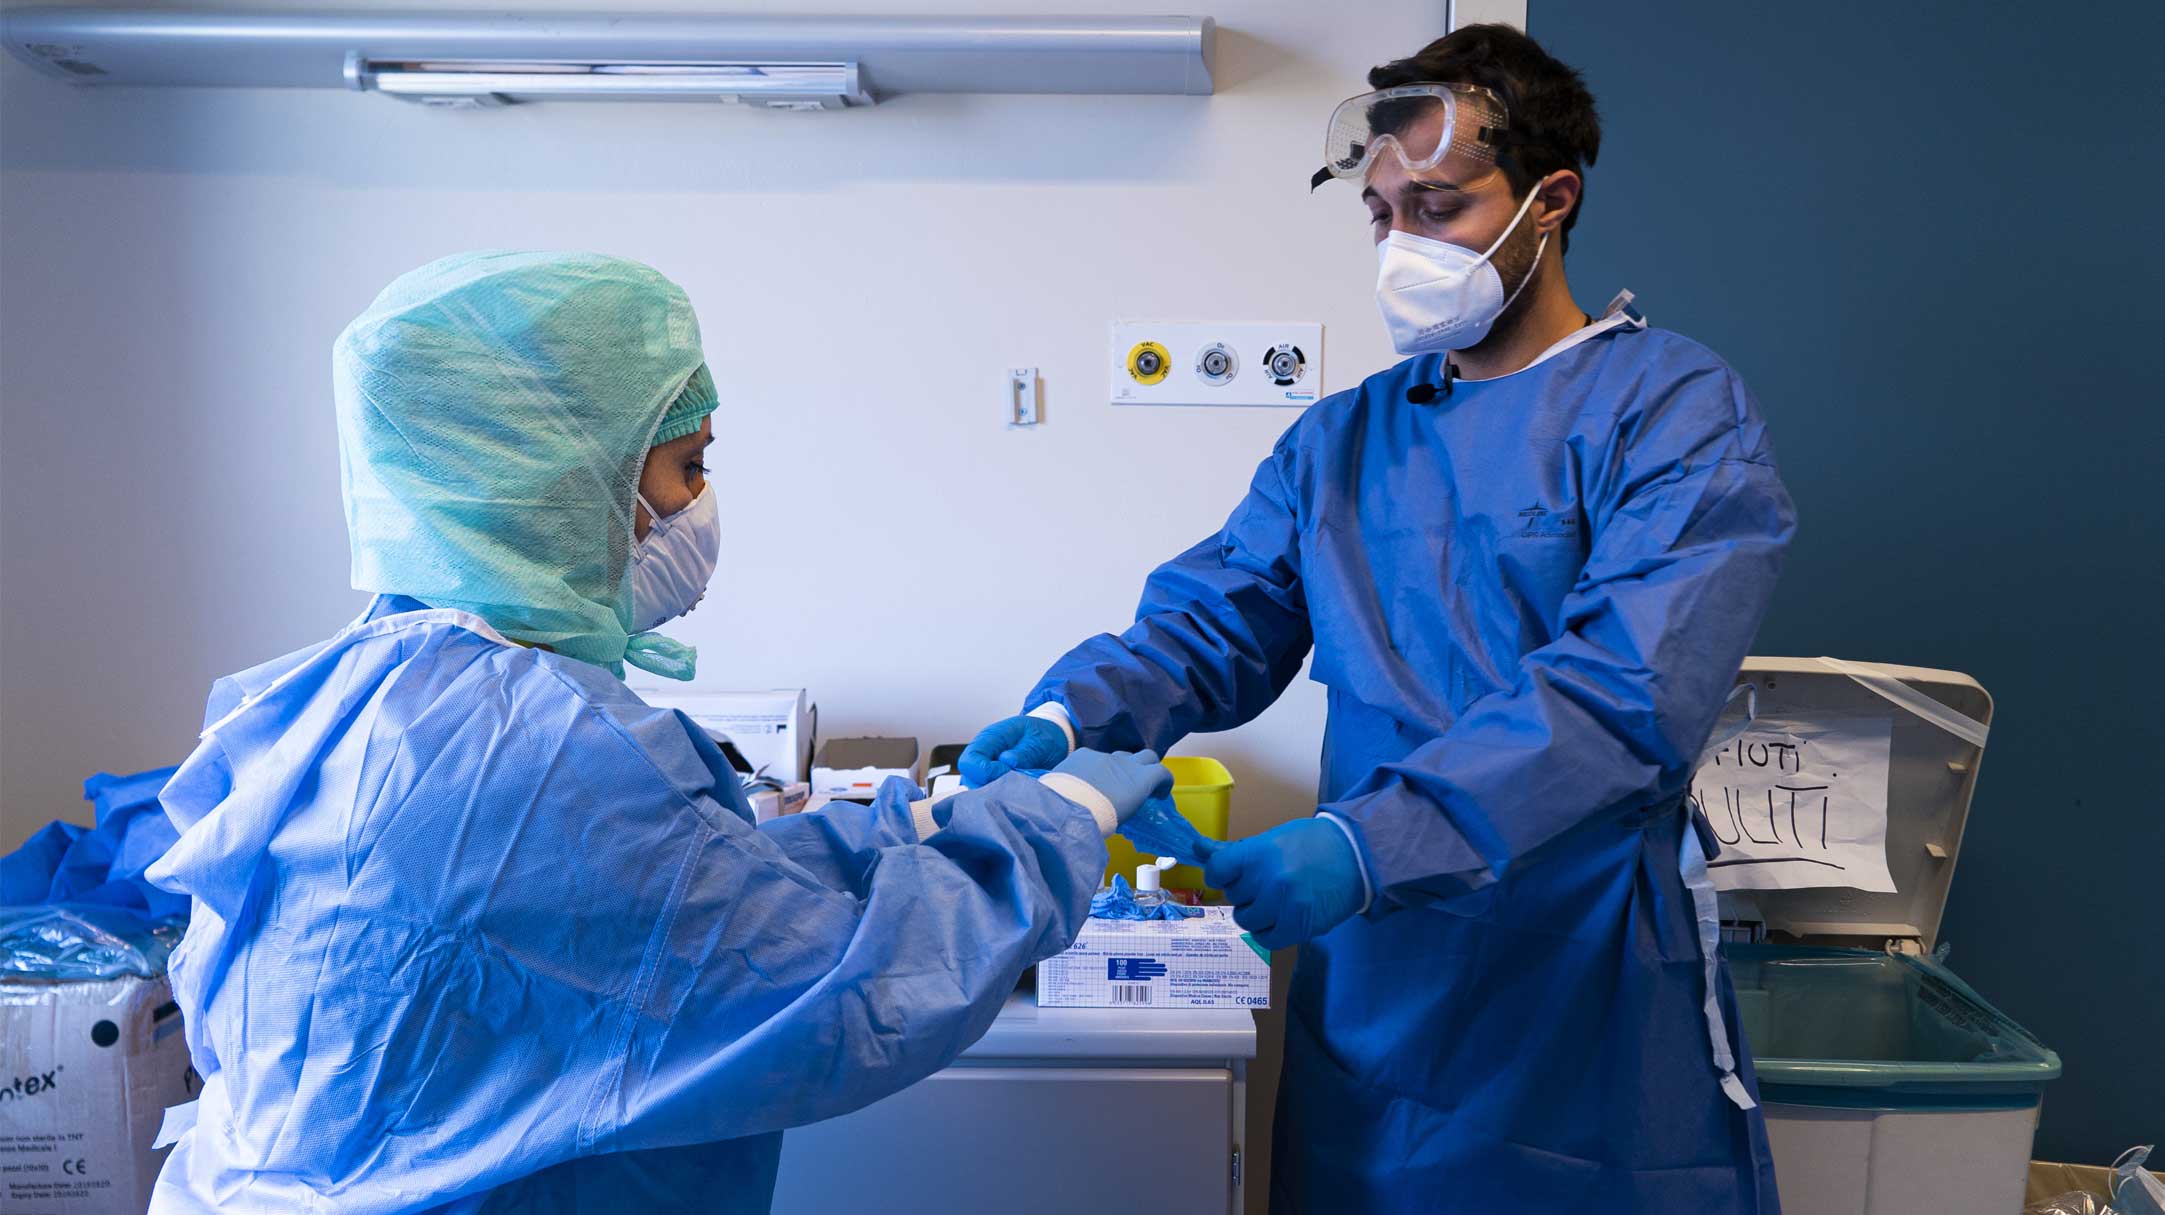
(1422, 394)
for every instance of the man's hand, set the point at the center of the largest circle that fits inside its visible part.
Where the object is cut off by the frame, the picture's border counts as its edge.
(1292, 883)
(1015, 744)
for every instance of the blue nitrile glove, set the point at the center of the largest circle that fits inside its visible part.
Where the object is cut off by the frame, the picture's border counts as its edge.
(1016, 744)
(1159, 829)
(1111, 786)
(1294, 882)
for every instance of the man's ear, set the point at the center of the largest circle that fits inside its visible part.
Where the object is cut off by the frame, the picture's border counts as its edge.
(1556, 199)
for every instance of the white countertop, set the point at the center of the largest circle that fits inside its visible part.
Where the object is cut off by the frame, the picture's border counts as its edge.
(1025, 1031)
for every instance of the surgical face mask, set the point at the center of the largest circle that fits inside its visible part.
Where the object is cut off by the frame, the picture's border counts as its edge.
(670, 569)
(1439, 296)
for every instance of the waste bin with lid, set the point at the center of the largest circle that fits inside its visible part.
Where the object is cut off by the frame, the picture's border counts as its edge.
(1891, 1087)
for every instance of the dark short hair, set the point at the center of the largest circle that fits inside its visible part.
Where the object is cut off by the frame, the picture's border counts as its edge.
(1554, 124)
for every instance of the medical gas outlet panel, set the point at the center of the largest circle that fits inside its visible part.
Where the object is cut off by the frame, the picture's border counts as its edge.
(1216, 363)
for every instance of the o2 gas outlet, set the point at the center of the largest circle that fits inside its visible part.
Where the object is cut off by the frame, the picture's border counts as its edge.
(1285, 364)
(1215, 364)
(1148, 363)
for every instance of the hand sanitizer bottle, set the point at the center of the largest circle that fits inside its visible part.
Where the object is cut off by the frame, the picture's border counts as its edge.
(1150, 881)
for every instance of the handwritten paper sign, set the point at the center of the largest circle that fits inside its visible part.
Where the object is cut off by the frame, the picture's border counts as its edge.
(1799, 804)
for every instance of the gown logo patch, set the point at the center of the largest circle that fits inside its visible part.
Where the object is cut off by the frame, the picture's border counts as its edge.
(1541, 523)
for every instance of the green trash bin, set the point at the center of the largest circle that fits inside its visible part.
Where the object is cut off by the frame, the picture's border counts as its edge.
(1890, 1086)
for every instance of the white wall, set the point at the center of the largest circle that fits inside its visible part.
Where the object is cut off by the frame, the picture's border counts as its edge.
(176, 264)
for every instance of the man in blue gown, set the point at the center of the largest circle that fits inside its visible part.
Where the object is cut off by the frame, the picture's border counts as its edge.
(1528, 562)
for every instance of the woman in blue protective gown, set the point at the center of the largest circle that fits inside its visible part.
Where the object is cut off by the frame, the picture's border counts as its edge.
(477, 930)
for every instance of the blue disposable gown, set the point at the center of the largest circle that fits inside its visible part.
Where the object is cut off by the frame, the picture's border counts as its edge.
(1527, 601)
(477, 930)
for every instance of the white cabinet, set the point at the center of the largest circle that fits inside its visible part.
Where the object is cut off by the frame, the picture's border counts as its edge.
(1054, 1109)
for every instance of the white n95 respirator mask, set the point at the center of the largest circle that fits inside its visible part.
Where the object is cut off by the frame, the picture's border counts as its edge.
(671, 568)
(1439, 296)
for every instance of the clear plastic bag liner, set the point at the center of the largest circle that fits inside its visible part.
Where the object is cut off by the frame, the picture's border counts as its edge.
(2074, 1202)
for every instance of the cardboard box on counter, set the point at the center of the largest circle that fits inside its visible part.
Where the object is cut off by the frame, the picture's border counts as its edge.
(853, 769)
(1205, 961)
(771, 804)
(87, 1069)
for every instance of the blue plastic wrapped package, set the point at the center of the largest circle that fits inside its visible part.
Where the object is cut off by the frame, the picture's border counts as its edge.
(1159, 829)
(1120, 903)
(78, 941)
(101, 865)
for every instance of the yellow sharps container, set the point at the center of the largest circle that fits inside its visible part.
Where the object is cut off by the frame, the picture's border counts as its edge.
(1203, 793)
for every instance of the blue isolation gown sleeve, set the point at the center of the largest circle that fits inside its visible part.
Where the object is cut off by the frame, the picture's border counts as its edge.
(1689, 521)
(780, 1000)
(840, 842)
(1220, 633)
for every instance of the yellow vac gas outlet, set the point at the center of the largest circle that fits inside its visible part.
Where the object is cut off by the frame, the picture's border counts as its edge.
(1149, 363)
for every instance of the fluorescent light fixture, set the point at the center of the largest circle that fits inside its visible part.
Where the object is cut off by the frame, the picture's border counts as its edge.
(774, 86)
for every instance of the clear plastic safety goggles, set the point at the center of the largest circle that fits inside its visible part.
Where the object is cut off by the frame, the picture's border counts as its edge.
(1422, 124)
